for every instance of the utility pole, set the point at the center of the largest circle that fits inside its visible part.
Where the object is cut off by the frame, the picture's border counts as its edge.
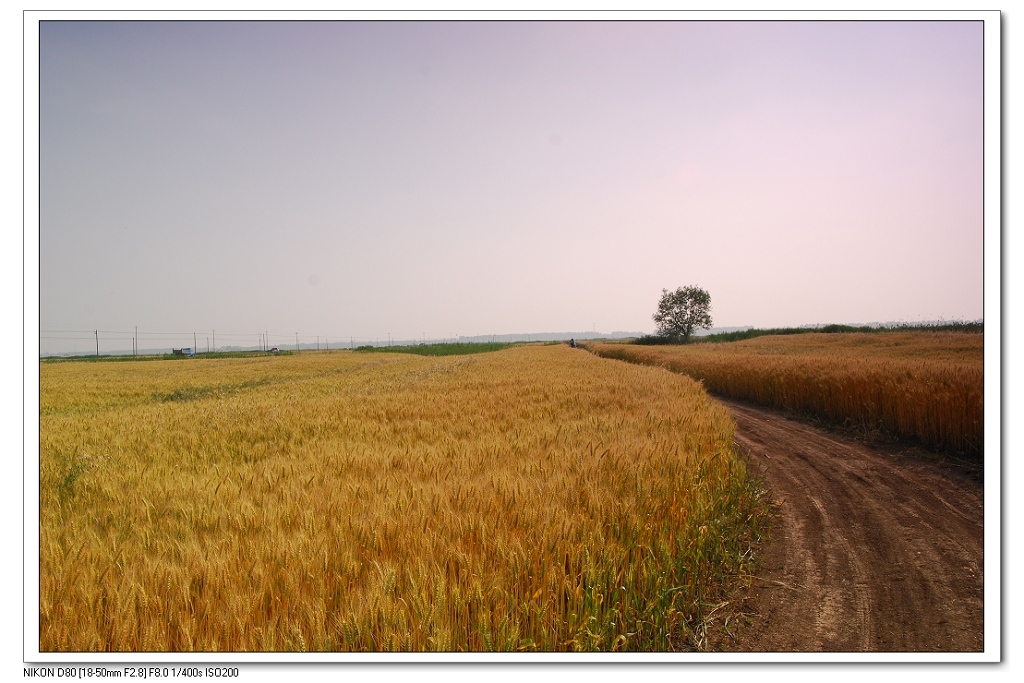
(135, 342)
(195, 344)
(97, 333)
(215, 341)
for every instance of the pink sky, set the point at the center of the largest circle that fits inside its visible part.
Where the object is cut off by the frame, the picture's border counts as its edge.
(429, 179)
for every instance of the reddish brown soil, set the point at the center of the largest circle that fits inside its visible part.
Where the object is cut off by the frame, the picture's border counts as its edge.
(871, 549)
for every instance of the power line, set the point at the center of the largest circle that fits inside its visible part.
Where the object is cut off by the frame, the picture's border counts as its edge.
(159, 338)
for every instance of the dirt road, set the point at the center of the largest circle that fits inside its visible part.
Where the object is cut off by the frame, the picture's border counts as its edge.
(871, 551)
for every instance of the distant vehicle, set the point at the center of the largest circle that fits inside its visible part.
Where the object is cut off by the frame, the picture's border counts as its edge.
(275, 350)
(183, 352)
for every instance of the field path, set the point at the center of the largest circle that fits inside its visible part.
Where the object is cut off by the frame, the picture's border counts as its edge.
(871, 550)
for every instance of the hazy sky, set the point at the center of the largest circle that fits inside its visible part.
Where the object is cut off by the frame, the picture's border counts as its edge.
(428, 179)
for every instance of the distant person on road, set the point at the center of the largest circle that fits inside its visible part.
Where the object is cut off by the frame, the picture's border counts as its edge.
(572, 343)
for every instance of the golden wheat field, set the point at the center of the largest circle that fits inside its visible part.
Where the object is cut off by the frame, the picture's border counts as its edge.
(920, 385)
(537, 498)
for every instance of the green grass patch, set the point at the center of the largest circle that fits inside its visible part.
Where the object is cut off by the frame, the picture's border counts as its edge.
(457, 349)
(127, 358)
(193, 393)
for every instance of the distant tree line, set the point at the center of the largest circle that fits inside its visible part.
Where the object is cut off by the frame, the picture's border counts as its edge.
(976, 326)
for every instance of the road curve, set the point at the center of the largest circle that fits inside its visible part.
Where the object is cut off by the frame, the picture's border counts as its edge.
(871, 551)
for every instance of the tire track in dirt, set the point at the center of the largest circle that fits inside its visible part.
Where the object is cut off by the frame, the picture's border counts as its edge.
(871, 550)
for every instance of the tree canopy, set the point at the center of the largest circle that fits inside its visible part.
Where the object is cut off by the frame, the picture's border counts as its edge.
(682, 311)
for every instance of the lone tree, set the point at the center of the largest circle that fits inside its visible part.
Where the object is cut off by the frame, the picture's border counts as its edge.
(682, 311)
